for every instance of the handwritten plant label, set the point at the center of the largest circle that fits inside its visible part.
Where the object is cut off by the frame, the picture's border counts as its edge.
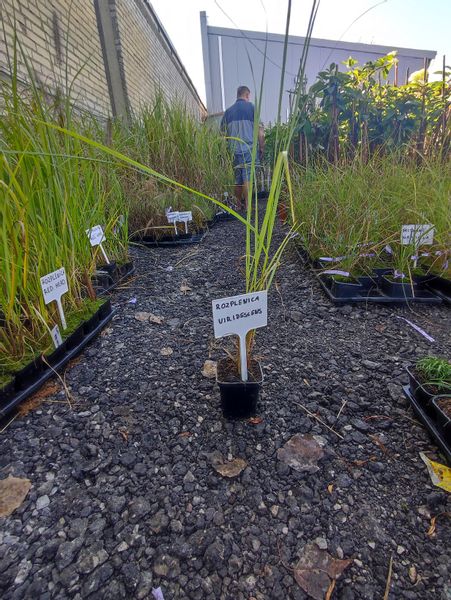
(237, 315)
(54, 285)
(56, 336)
(97, 237)
(418, 235)
(185, 217)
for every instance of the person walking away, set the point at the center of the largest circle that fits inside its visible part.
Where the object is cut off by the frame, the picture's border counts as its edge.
(238, 122)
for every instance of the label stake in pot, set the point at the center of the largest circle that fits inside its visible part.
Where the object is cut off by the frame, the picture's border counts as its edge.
(237, 315)
(96, 237)
(54, 285)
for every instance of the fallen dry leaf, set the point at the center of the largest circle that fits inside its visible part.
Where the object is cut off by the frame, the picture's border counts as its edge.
(231, 468)
(148, 317)
(185, 434)
(255, 420)
(413, 575)
(124, 433)
(209, 369)
(142, 316)
(13, 491)
(302, 452)
(330, 488)
(167, 351)
(184, 288)
(317, 570)
(433, 526)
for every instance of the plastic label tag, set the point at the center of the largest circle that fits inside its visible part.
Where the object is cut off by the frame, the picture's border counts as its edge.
(54, 285)
(96, 235)
(237, 315)
(417, 235)
(56, 336)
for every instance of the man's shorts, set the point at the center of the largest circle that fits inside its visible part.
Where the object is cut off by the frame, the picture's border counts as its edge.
(242, 167)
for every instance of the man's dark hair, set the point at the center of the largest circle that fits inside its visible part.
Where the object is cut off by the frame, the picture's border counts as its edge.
(242, 90)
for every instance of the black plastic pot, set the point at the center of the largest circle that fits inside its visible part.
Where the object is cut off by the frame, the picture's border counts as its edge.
(441, 287)
(419, 391)
(91, 323)
(171, 240)
(397, 289)
(75, 338)
(55, 357)
(29, 373)
(239, 398)
(443, 419)
(111, 268)
(344, 289)
(431, 424)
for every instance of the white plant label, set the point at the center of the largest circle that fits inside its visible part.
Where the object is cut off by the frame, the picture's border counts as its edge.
(96, 237)
(56, 336)
(237, 315)
(173, 217)
(185, 217)
(419, 235)
(54, 285)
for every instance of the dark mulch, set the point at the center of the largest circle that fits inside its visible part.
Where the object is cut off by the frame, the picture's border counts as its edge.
(125, 497)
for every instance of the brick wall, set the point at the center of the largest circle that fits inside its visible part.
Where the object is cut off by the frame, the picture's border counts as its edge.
(60, 35)
(144, 50)
(51, 47)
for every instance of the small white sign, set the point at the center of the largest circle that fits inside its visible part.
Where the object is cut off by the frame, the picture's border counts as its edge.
(185, 216)
(237, 315)
(172, 216)
(96, 237)
(54, 285)
(417, 235)
(56, 336)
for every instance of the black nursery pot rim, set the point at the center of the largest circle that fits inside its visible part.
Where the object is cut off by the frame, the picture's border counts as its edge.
(239, 398)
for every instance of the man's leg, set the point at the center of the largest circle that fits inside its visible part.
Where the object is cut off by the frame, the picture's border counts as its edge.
(245, 191)
(238, 194)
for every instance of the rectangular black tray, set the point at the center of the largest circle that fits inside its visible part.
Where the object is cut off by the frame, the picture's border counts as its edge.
(430, 424)
(104, 282)
(34, 375)
(374, 294)
(170, 241)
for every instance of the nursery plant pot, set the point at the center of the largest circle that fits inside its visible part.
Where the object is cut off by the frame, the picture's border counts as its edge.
(29, 373)
(7, 390)
(111, 268)
(442, 407)
(104, 310)
(91, 323)
(75, 339)
(238, 398)
(421, 392)
(57, 355)
(345, 289)
(397, 289)
(367, 282)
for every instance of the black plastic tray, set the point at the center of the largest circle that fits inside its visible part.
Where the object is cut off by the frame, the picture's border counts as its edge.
(370, 289)
(170, 241)
(34, 375)
(441, 287)
(373, 294)
(430, 424)
(105, 282)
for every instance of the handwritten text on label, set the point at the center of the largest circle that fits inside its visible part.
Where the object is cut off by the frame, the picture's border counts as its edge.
(96, 235)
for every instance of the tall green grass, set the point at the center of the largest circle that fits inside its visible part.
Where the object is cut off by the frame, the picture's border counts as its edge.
(365, 205)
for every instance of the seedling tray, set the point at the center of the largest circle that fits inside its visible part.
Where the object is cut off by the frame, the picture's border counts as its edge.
(340, 294)
(431, 424)
(29, 379)
(182, 239)
(441, 287)
(105, 281)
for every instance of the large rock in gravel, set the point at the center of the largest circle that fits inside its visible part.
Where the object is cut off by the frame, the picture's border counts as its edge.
(302, 452)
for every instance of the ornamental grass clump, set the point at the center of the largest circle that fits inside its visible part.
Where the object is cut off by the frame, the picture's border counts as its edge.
(167, 137)
(353, 215)
(52, 188)
(435, 372)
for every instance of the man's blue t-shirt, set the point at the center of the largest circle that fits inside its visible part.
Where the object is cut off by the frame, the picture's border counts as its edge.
(238, 122)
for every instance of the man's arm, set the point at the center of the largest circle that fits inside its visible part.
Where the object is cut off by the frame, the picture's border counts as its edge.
(261, 140)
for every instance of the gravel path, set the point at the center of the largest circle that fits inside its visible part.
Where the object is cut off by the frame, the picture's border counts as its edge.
(125, 497)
